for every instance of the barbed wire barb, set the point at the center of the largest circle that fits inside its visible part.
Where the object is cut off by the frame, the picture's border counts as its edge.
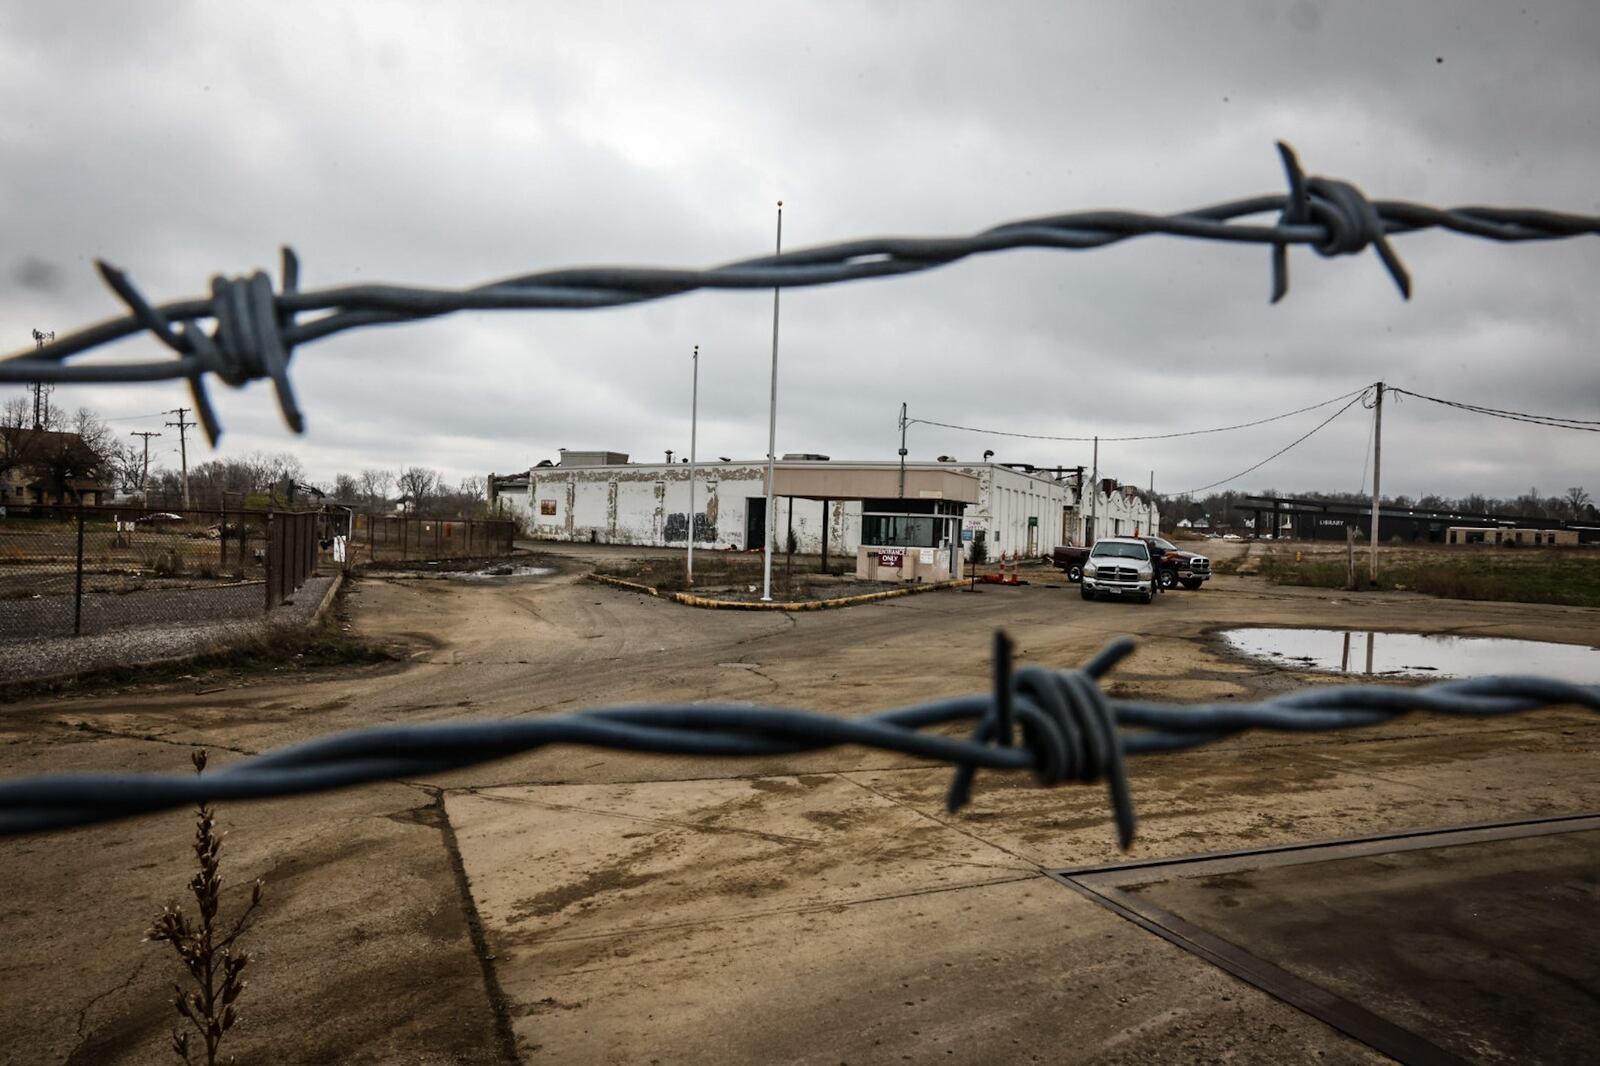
(255, 331)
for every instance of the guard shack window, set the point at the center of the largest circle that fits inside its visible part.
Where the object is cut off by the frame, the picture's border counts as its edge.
(902, 531)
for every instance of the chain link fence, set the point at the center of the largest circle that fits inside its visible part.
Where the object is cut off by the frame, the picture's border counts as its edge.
(71, 570)
(406, 538)
(68, 570)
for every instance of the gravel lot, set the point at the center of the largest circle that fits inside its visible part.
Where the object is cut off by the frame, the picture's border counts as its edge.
(141, 627)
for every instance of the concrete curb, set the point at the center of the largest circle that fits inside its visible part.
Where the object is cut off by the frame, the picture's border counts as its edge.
(632, 586)
(327, 599)
(689, 599)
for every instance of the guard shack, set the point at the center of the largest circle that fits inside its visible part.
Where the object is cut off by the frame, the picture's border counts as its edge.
(910, 520)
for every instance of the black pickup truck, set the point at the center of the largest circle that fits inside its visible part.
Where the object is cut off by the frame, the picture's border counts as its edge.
(1177, 567)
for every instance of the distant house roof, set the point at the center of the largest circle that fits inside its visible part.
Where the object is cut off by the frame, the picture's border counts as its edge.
(36, 449)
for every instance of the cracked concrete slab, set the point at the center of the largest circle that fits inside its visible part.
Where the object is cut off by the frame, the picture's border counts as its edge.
(1023, 971)
(558, 862)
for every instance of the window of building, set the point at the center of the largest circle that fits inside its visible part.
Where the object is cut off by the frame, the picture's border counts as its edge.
(901, 531)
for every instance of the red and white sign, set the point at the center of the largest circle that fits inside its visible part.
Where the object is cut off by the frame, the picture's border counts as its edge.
(895, 559)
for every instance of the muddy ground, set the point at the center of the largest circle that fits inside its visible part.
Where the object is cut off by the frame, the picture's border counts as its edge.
(574, 905)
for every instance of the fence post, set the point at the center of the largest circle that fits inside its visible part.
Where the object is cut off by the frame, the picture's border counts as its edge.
(266, 557)
(77, 595)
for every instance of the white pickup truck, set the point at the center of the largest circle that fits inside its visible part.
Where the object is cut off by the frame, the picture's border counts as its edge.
(1120, 566)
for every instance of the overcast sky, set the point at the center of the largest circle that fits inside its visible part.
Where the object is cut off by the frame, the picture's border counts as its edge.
(450, 144)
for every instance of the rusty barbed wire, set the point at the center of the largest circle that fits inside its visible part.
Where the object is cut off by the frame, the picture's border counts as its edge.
(254, 330)
(1070, 732)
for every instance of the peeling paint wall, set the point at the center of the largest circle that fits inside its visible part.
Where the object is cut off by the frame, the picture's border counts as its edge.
(648, 504)
(1007, 499)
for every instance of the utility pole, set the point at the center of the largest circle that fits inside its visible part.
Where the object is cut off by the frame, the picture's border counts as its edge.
(1094, 501)
(183, 446)
(144, 471)
(902, 451)
(41, 391)
(772, 442)
(1377, 452)
(1150, 524)
(694, 422)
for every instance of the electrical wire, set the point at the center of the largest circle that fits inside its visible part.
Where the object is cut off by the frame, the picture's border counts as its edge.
(1552, 421)
(1280, 451)
(1152, 436)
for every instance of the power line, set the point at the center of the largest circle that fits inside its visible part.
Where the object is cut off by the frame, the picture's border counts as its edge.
(1280, 451)
(245, 331)
(137, 418)
(1152, 436)
(1552, 421)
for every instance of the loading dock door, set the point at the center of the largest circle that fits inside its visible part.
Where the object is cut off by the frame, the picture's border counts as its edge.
(755, 521)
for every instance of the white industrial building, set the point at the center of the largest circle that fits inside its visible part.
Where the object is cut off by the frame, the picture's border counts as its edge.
(600, 497)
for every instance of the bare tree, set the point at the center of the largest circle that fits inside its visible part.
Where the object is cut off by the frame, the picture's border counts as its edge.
(1578, 500)
(420, 483)
(346, 489)
(376, 483)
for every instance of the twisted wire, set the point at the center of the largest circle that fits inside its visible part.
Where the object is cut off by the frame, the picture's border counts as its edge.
(254, 331)
(1057, 724)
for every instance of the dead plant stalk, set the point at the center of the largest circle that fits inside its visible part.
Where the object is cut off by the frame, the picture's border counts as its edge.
(213, 963)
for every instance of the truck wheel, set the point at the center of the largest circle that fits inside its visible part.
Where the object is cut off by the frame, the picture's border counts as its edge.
(1169, 579)
(1075, 573)
(1193, 583)
(1087, 594)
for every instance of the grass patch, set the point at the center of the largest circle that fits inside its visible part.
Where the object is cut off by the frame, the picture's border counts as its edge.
(1514, 576)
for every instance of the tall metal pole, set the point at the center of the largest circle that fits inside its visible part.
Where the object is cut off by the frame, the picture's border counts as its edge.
(902, 451)
(772, 442)
(1150, 519)
(1093, 533)
(694, 421)
(41, 391)
(1377, 452)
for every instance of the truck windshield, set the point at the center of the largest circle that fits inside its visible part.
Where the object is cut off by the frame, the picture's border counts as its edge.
(1117, 550)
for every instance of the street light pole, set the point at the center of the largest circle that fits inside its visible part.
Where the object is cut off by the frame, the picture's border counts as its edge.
(694, 420)
(772, 442)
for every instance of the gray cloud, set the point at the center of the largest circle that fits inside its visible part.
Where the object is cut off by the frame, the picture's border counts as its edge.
(454, 144)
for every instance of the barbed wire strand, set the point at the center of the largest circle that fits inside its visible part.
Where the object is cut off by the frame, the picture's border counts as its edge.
(1153, 436)
(1280, 451)
(254, 331)
(1057, 724)
(1551, 421)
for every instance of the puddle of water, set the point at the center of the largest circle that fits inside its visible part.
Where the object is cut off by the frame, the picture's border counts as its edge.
(1416, 654)
(495, 572)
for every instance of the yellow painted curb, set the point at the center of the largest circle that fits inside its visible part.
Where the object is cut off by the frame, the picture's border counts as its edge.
(689, 599)
(692, 600)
